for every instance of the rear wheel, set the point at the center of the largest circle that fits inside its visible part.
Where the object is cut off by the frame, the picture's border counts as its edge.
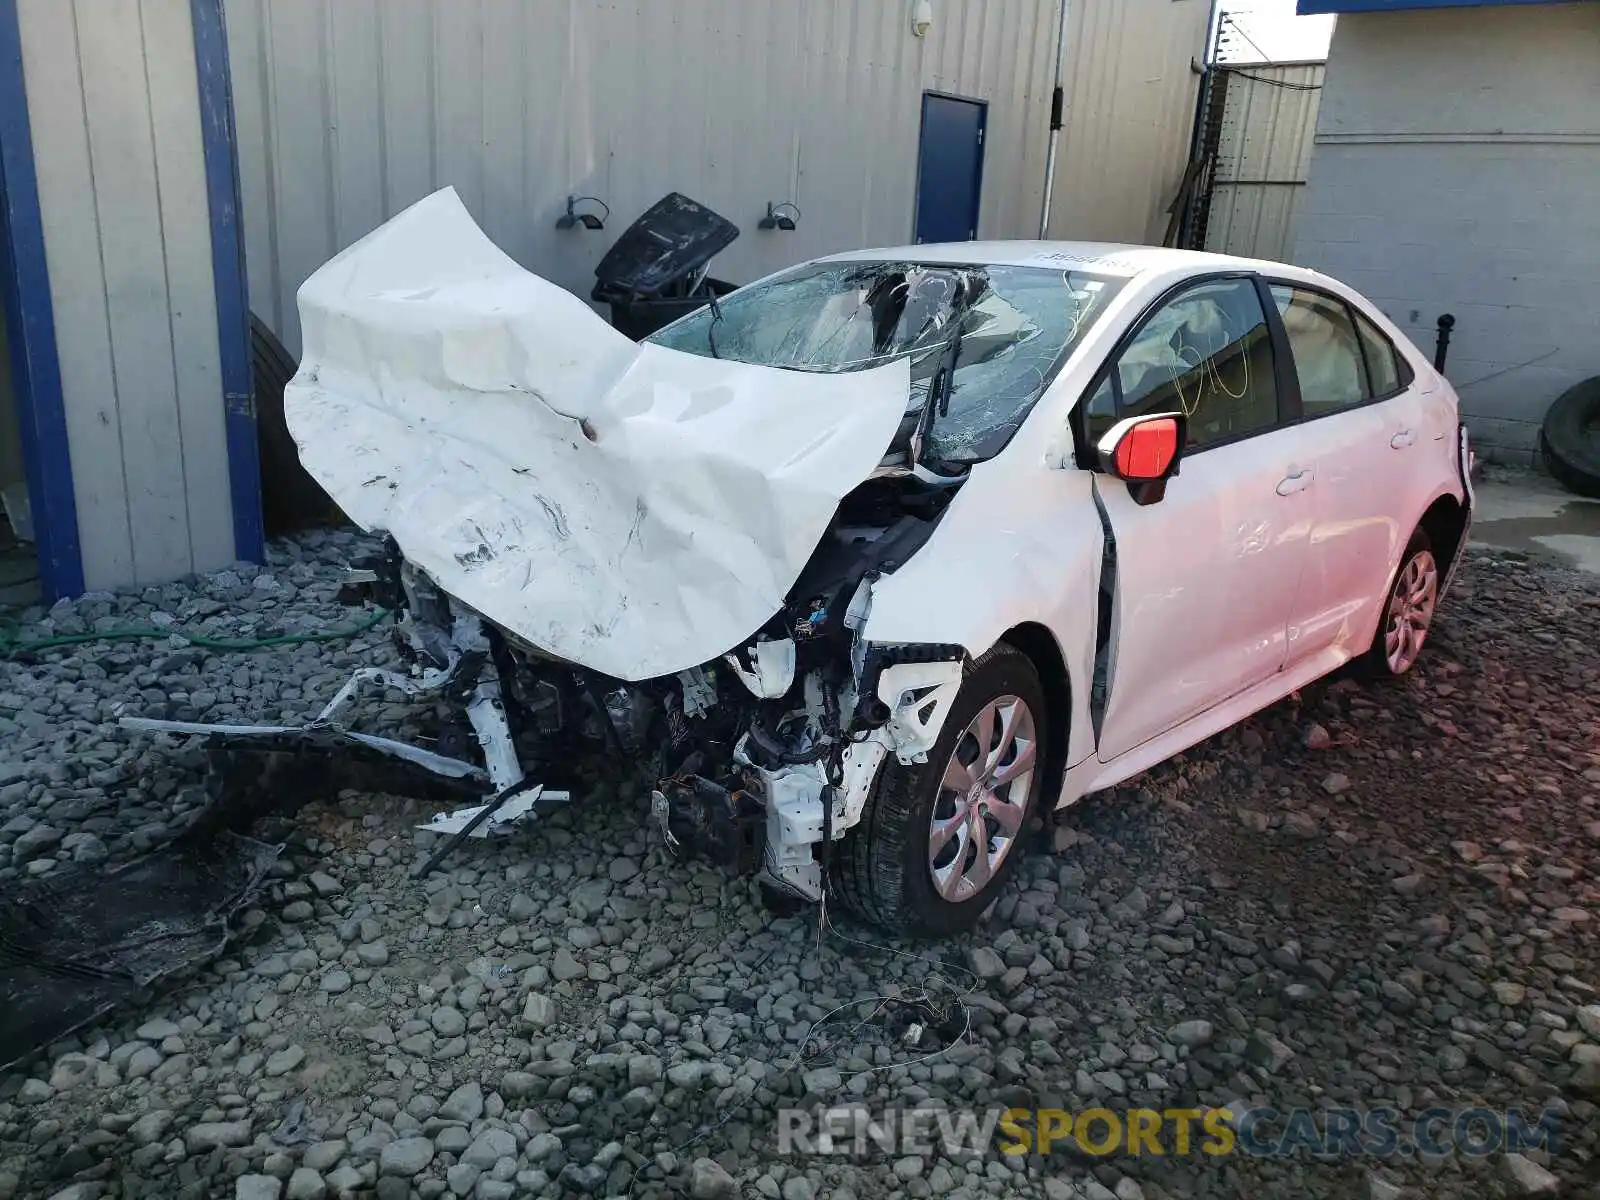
(1407, 613)
(938, 840)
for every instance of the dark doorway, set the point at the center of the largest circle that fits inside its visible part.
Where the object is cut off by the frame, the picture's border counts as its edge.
(950, 168)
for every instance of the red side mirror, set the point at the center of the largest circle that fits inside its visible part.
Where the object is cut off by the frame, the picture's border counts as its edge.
(1145, 452)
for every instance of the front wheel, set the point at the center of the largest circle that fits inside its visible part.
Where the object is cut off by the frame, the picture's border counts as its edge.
(1407, 612)
(938, 840)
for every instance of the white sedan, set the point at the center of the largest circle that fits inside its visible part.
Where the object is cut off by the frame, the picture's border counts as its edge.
(881, 555)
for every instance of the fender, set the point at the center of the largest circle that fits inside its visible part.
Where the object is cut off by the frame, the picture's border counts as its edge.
(1021, 544)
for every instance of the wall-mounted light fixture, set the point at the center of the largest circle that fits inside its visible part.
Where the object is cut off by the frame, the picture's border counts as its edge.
(588, 220)
(921, 18)
(776, 218)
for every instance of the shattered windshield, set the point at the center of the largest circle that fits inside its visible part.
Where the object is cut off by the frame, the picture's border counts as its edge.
(1015, 325)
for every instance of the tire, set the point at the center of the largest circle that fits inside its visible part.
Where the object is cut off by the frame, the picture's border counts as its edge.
(883, 872)
(290, 499)
(1570, 438)
(1380, 661)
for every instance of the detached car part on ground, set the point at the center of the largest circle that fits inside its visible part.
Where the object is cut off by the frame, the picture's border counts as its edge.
(875, 557)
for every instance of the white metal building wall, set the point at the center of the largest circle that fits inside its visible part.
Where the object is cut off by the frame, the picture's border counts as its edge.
(1269, 123)
(1131, 91)
(349, 110)
(113, 105)
(1457, 169)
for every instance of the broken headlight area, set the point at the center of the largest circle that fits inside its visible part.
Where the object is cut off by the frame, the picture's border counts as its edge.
(764, 756)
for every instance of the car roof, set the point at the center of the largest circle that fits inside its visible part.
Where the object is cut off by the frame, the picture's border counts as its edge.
(1108, 258)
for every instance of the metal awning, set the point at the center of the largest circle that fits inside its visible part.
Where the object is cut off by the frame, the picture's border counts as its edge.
(1308, 8)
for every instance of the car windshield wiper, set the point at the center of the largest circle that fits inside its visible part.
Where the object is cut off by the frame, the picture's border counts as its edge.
(941, 387)
(716, 317)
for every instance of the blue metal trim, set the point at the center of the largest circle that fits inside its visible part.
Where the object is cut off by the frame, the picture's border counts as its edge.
(228, 267)
(1308, 8)
(31, 331)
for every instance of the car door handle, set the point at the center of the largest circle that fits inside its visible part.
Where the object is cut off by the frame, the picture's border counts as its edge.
(1297, 482)
(1403, 439)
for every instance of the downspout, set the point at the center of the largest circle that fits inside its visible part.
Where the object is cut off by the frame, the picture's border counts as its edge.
(1057, 104)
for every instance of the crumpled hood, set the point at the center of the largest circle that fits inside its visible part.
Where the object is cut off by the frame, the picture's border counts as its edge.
(633, 509)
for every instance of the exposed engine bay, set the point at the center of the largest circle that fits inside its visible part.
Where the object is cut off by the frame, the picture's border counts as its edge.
(764, 756)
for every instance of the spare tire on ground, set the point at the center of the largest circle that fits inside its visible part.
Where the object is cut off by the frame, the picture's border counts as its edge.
(290, 499)
(1570, 439)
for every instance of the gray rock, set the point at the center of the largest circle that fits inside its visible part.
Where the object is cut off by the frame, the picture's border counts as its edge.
(372, 954)
(461, 1177)
(622, 869)
(985, 963)
(708, 1181)
(541, 1146)
(1528, 1178)
(336, 982)
(150, 1128)
(212, 1134)
(644, 1069)
(324, 1156)
(157, 1029)
(257, 1187)
(283, 1061)
(1589, 1020)
(823, 1081)
(406, 1157)
(305, 1184)
(463, 1104)
(1191, 1033)
(489, 1147)
(1267, 1051)
(539, 1010)
(564, 967)
(653, 961)
(448, 1022)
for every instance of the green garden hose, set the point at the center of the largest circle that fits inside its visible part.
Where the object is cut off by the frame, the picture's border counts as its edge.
(10, 645)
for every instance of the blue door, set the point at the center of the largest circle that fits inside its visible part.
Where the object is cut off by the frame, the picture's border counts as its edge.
(950, 168)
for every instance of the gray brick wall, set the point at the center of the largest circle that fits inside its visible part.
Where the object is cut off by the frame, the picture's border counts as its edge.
(1457, 170)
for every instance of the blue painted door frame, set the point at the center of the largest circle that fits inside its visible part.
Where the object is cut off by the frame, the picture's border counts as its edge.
(30, 316)
(220, 143)
(949, 168)
(31, 330)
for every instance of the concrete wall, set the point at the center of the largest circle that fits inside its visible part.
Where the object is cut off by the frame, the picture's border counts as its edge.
(1457, 169)
(349, 110)
(113, 105)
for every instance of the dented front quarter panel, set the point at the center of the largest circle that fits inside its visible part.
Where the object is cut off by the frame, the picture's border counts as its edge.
(1020, 544)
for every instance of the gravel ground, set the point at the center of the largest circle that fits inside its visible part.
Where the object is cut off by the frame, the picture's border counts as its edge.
(1366, 896)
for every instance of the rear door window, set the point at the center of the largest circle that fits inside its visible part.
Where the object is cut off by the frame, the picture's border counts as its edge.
(1389, 371)
(1328, 357)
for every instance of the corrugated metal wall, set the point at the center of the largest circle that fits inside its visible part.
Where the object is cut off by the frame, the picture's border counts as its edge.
(349, 110)
(1131, 94)
(113, 105)
(1269, 126)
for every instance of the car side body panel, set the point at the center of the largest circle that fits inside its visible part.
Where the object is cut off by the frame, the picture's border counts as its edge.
(1022, 543)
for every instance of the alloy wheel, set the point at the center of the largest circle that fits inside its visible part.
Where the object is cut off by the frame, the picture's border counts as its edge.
(983, 798)
(1411, 605)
